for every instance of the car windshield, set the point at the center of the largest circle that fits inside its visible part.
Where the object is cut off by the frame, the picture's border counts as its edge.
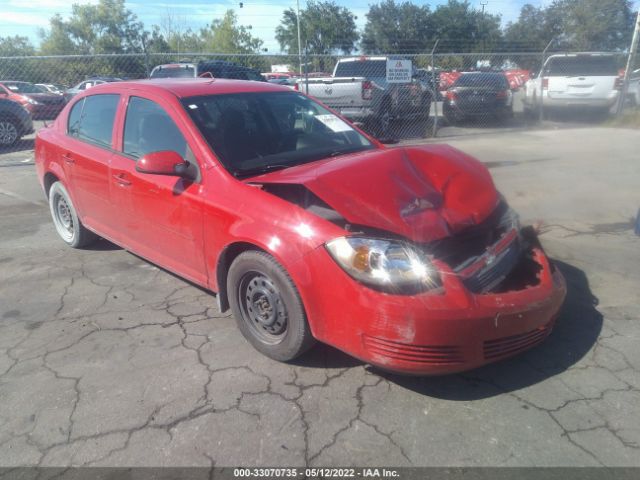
(582, 66)
(23, 87)
(252, 133)
(174, 71)
(488, 80)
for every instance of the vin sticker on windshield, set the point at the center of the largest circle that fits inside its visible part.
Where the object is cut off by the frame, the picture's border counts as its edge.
(334, 123)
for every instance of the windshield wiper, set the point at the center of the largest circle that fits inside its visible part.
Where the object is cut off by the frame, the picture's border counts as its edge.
(249, 172)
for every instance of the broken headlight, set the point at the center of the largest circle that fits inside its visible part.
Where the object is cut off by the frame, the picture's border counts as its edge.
(384, 264)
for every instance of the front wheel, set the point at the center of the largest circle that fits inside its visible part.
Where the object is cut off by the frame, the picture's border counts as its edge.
(8, 132)
(267, 306)
(65, 218)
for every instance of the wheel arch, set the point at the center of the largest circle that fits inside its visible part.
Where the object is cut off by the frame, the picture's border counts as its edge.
(225, 259)
(49, 179)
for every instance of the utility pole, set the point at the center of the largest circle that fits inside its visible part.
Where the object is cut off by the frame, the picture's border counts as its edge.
(484, 4)
(540, 75)
(435, 87)
(299, 42)
(630, 65)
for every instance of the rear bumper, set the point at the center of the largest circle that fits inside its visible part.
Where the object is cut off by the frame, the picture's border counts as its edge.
(434, 333)
(580, 102)
(462, 110)
(355, 114)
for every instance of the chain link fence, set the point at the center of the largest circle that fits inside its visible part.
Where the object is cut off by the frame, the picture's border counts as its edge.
(391, 96)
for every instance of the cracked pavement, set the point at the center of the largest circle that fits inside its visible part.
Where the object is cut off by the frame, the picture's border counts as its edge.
(107, 360)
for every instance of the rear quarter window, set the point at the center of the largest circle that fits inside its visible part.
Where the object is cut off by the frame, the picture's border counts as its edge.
(362, 68)
(586, 66)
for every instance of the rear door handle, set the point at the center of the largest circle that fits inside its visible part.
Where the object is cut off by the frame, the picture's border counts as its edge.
(68, 158)
(120, 178)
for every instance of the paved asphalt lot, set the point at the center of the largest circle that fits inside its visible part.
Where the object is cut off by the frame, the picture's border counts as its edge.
(108, 360)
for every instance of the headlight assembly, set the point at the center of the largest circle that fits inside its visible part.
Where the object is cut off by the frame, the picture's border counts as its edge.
(389, 265)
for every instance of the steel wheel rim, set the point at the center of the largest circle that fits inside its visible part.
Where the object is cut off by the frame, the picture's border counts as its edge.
(8, 133)
(62, 216)
(262, 308)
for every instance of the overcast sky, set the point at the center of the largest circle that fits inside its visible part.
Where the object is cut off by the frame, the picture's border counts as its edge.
(24, 17)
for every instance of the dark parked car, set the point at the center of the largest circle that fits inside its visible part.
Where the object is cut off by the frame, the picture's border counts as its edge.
(41, 104)
(214, 68)
(476, 94)
(88, 83)
(15, 121)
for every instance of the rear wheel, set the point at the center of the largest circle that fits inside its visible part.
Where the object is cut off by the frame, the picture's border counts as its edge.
(450, 117)
(267, 306)
(65, 218)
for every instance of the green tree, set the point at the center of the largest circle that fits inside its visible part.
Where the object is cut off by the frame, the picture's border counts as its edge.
(15, 46)
(226, 36)
(586, 25)
(397, 28)
(325, 28)
(154, 41)
(532, 31)
(461, 28)
(593, 24)
(107, 27)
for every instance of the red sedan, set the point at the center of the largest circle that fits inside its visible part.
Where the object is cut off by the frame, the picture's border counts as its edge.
(308, 229)
(42, 105)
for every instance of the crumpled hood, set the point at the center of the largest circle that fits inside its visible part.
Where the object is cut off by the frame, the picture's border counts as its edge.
(423, 193)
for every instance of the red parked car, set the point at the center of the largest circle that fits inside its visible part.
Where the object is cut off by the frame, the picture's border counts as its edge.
(308, 229)
(42, 105)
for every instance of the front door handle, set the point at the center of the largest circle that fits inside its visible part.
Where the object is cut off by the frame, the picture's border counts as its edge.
(120, 178)
(68, 158)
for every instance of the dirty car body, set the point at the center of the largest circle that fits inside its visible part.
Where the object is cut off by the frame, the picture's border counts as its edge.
(407, 258)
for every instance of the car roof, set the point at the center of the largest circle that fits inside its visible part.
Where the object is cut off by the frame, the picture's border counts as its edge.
(191, 87)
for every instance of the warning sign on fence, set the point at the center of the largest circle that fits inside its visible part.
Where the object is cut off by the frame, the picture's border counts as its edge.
(398, 71)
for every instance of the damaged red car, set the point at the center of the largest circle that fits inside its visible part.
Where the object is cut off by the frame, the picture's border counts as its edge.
(406, 258)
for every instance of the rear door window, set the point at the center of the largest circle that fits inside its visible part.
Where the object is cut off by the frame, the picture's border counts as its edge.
(362, 68)
(91, 119)
(582, 66)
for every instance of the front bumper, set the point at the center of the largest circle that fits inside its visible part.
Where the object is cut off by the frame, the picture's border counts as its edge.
(438, 332)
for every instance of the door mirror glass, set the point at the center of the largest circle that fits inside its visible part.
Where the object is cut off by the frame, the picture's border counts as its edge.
(166, 162)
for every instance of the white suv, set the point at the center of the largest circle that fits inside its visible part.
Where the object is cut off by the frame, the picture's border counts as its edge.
(588, 80)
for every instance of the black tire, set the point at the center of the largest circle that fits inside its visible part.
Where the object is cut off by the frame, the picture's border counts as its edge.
(267, 306)
(449, 117)
(505, 116)
(9, 131)
(65, 218)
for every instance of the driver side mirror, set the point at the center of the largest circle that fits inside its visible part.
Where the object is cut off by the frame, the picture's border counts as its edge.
(165, 162)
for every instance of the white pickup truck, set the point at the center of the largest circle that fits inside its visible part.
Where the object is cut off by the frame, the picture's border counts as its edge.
(359, 90)
(588, 80)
